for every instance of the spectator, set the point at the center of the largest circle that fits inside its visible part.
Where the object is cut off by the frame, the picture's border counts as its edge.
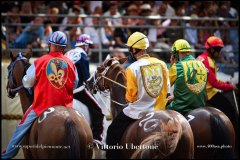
(54, 20)
(224, 11)
(169, 9)
(204, 34)
(234, 38)
(180, 11)
(121, 34)
(227, 51)
(163, 44)
(146, 9)
(39, 7)
(157, 32)
(26, 8)
(162, 9)
(31, 34)
(132, 10)
(71, 20)
(191, 34)
(93, 32)
(171, 32)
(142, 22)
(47, 32)
(94, 4)
(98, 11)
(113, 11)
(14, 31)
(72, 35)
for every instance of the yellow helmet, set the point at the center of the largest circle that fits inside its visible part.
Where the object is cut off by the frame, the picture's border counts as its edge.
(138, 40)
(181, 45)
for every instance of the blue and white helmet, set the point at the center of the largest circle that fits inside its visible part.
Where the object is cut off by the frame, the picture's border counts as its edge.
(58, 38)
(83, 39)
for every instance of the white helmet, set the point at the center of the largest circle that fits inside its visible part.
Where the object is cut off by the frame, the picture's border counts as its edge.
(73, 55)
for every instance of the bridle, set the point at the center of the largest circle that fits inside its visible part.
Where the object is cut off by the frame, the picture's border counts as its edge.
(103, 75)
(10, 74)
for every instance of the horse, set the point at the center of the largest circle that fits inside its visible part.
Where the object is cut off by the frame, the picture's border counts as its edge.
(167, 131)
(115, 74)
(214, 135)
(60, 131)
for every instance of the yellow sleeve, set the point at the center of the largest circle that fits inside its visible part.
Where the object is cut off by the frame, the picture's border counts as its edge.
(132, 88)
(172, 74)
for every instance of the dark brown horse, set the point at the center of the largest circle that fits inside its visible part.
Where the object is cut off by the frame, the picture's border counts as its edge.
(114, 74)
(61, 132)
(160, 134)
(214, 135)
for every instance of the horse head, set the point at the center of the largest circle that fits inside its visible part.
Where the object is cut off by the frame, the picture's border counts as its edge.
(16, 70)
(106, 73)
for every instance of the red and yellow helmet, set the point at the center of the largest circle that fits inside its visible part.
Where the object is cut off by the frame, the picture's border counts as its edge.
(213, 42)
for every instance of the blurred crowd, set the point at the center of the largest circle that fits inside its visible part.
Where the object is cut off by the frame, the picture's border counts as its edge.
(36, 36)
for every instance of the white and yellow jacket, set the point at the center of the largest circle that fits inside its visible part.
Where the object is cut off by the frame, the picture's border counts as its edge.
(147, 87)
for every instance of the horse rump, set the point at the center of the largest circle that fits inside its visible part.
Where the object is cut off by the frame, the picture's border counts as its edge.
(73, 139)
(160, 144)
(221, 137)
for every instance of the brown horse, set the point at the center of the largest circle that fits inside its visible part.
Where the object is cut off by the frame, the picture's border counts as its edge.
(61, 132)
(160, 134)
(115, 74)
(214, 135)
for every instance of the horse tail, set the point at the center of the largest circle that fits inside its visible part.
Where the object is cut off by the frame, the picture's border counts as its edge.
(72, 138)
(221, 137)
(160, 144)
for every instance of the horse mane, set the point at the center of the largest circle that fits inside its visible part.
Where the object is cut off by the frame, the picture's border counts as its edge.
(221, 137)
(166, 141)
(72, 138)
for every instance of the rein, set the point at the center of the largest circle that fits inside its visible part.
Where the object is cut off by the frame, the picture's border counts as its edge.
(102, 75)
(114, 82)
(10, 73)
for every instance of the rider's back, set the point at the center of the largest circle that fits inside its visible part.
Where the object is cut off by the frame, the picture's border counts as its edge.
(55, 76)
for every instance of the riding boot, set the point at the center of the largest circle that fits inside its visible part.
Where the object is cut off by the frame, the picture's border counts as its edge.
(114, 134)
(95, 112)
(97, 129)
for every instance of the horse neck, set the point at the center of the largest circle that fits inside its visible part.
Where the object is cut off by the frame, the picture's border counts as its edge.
(25, 99)
(117, 93)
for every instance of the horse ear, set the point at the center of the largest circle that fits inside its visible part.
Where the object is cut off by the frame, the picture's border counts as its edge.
(12, 56)
(123, 60)
(109, 62)
(28, 53)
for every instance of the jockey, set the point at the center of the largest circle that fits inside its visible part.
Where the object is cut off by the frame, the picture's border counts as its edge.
(146, 89)
(53, 77)
(79, 57)
(189, 77)
(214, 86)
